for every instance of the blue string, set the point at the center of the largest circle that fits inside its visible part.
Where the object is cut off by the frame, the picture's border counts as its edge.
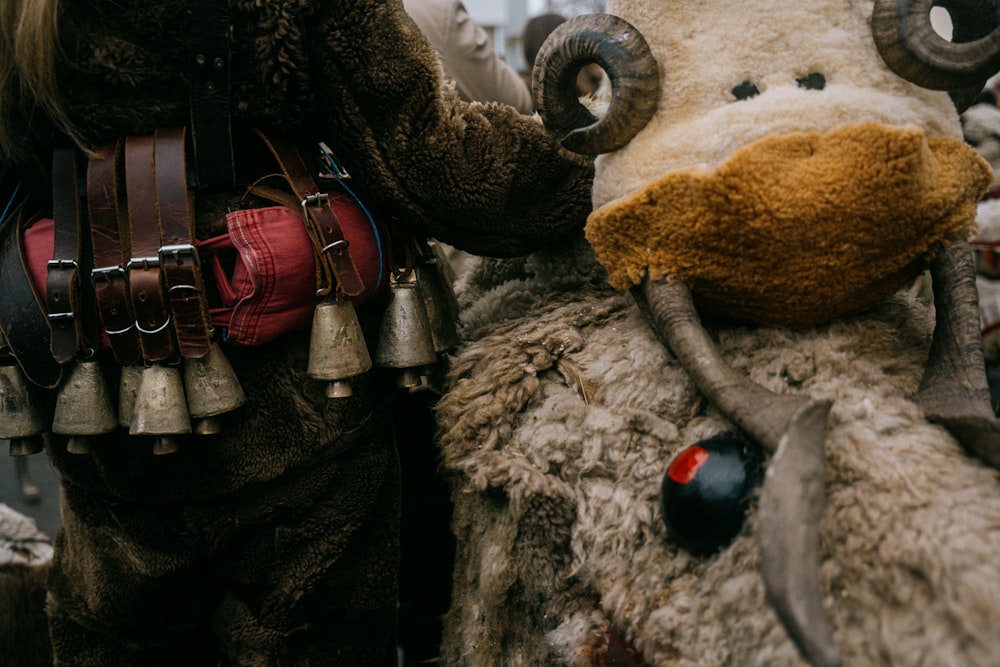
(10, 203)
(371, 221)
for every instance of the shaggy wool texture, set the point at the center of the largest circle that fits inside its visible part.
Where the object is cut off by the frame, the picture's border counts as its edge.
(557, 434)
(25, 555)
(565, 408)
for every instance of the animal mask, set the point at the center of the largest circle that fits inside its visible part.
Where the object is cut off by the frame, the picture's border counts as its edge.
(786, 176)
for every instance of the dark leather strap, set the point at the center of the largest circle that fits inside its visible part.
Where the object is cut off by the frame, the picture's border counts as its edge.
(65, 292)
(324, 228)
(211, 132)
(110, 286)
(22, 318)
(178, 257)
(152, 317)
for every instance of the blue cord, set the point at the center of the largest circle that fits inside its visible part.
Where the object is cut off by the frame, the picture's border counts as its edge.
(378, 238)
(10, 202)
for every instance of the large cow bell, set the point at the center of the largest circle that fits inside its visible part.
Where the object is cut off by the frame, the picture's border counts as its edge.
(405, 340)
(83, 407)
(160, 407)
(337, 348)
(212, 389)
(439, 303)
(22, 420)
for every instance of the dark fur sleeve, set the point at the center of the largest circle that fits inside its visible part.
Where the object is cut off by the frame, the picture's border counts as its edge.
(480, 176)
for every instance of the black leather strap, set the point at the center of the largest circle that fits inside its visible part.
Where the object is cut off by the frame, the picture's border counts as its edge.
(22, 318)
(68, 289)
(211, 133)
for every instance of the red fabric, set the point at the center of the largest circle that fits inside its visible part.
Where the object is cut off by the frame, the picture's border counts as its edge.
(269, 287)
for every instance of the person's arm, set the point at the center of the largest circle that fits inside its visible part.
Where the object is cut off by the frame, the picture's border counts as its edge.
(482, 177)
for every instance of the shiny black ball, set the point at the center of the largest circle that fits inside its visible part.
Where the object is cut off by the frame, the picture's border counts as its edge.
(707, 491)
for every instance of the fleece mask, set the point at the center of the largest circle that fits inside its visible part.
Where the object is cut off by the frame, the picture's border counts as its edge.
(797, 230)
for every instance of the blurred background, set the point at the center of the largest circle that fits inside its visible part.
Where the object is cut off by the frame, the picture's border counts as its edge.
(504, 21)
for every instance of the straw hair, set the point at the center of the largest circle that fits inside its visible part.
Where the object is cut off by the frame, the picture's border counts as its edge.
(27, 64)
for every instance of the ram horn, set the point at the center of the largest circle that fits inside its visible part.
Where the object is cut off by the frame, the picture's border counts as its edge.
(954, 391)
(909, 45)
(793, 429)
(617, 47)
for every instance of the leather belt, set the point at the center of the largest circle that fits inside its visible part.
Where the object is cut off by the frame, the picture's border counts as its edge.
(24, 323)
(152, 318)
(211, 132)
(178, 257)
(110, 284)
(69, 299)
(324, 228)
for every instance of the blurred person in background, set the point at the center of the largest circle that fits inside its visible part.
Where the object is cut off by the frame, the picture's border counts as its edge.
(536, 31)
(467, 54)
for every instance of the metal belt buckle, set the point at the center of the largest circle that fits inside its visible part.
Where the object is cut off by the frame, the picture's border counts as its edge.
(317, 199)
(65, 265)
(179, 254)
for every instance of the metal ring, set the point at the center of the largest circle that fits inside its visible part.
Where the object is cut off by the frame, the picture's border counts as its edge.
(153, 331)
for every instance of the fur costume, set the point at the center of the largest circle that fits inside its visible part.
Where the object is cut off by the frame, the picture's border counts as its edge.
(275, 542)
(565, 406)
(25, 556)
(981, 127)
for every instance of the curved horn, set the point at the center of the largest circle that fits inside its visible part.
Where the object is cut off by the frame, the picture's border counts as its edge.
(619, 48)
(791, 502)
(911, 48)
(954, 391)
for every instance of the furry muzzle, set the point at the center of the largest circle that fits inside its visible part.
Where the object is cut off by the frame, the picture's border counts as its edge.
(797, 230)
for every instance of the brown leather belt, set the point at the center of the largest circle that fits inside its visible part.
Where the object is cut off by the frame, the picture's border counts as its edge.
(152, 317)
(110, 284)
(324, 228)
(178, 257)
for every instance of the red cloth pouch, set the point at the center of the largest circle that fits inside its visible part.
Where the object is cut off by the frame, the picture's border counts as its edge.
(265, 271)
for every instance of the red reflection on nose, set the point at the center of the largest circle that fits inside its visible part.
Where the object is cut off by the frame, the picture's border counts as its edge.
(686, 465)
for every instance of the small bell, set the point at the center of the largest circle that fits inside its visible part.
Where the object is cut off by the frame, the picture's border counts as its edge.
(405, 340)
(337, 348)
(128, 387)
(212, 389)
(83, 407)
(160, 407)
(438, 299)
(22, 420)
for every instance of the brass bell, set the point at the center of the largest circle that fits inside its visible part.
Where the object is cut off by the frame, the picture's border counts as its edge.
(405, 337)
(128, 387)
(438, 300)
(83, 407)
(22, 420)
(160, 407)
(337, 348)
(212, 389)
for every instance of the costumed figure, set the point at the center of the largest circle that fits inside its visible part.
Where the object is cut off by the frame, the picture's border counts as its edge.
(215, 278)
(727, 427)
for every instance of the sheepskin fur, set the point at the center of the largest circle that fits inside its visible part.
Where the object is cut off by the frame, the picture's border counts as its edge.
(557, 434)
(25, 555)
(565, 407)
